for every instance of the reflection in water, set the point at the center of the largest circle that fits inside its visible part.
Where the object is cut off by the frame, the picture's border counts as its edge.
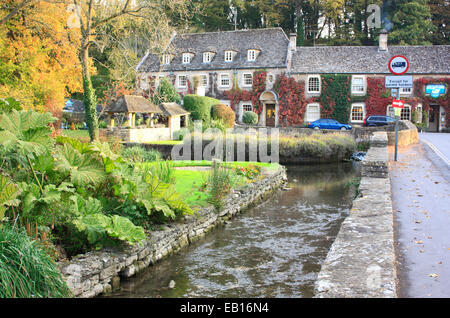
(272, 250)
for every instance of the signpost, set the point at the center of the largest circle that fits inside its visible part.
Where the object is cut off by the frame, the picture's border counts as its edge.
(398, 65)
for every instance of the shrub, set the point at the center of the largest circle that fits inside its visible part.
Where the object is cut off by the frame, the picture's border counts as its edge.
(250, 118)
(219, 185)
(199, 106)
(26, 270)
(139, 154)
(166, 93)
(225, 113)
(8, 104)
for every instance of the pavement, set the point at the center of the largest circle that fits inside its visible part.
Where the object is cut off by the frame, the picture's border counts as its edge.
(420, 183)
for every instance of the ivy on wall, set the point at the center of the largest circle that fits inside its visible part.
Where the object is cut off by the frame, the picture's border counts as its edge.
(291, 101)
(335, 97)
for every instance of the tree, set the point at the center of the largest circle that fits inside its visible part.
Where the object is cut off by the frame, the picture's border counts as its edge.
(36, 55)
(412, 23)
(300, 32)
(440, 13)
(95, 21)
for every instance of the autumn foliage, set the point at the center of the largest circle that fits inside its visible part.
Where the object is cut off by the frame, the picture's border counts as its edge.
(38, 57)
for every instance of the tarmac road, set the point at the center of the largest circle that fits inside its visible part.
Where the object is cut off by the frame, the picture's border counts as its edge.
(420, 182)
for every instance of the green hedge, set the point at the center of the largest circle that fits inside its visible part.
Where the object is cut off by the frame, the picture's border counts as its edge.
(250, 118)
(199, 106)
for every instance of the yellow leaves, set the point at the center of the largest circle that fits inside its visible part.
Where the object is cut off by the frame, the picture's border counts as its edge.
(41, 54)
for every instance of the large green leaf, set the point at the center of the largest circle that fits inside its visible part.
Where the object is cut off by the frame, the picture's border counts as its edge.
(123, 229)
(8, 195)
(26, 131)
(82, 168)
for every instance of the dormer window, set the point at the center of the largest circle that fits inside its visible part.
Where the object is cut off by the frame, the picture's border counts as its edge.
(207, 57)
(166, 59)
(251, 55)
(229, 56)
(187, 58)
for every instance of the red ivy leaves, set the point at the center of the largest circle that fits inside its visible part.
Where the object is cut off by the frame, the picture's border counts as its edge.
(291, 101)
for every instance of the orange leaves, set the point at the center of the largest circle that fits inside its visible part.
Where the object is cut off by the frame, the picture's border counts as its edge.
(38, 57)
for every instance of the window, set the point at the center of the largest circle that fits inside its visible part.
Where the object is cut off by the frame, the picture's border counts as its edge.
(357, 113)
(204, 80)
(207, 57)
(186, 58)
(228, 56)
(406, 91)
(358, 86)
(247, 107)
(312, 112)
(270, 78)
(166, 59)
(247, 79)
(251, 55)
(182, 81)
(314, 84)
(224, 80)
(404, 115)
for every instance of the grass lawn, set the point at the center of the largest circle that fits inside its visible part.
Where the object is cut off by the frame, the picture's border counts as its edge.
(82, 135)
(188, 182)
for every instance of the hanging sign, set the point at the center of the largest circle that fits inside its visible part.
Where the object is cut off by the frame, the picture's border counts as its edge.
(398, 103)
(435, 90)
(398, 65)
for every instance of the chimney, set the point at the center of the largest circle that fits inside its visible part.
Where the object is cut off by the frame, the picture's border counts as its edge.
(383, 40)
(293, 41)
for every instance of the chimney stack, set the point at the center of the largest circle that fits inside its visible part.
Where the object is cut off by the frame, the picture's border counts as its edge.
(293, 41)
(383, 40)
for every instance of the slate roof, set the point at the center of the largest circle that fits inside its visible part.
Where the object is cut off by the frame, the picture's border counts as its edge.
(368, 60)
(272, 43)
(173, 109)
(132, 104)
(77, 106)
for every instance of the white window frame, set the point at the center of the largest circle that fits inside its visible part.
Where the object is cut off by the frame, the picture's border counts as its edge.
(363, 106)
(248, 105)
(307, 113)
(403, 92)
(251, 55)
(202, 83)
(390, 112)
(166, 59)
(220, 80)
(228, 56)
(225, 102)
(269, 76)
(186, 58)
(320, 84)
(358, 92)
(207, 57)
(179, 81)
(244, 84)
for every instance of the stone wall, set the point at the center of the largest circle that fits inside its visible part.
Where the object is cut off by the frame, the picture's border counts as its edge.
(98, 272)
(361, 261)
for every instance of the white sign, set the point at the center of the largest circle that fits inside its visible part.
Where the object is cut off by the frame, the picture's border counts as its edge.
(404, 81)
(398, 65)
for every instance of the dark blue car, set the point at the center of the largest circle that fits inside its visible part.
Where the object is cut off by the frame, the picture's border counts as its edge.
(328, 124)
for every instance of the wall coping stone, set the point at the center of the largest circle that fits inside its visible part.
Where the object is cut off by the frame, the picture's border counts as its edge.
(361, 262)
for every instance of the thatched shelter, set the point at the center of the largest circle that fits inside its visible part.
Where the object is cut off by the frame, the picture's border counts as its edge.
(130, 105)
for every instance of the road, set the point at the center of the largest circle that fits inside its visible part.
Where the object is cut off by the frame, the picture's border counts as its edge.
(420, 181)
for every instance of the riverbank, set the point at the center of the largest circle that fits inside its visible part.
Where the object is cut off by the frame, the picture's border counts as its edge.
(100, 272)
(361, 261)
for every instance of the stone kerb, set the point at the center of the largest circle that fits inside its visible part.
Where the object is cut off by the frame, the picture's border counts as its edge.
(98, 272)
(361, 261)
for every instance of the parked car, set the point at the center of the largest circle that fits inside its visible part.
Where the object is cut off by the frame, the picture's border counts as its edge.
(328, 124)
(377, 120)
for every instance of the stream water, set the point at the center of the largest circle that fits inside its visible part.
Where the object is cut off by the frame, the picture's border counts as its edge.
(272, 250)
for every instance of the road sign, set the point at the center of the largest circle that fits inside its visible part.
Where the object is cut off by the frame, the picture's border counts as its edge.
(398, 103)
(398, 65)
(404, 81)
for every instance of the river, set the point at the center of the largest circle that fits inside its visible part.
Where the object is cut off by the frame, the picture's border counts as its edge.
(272, 250)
